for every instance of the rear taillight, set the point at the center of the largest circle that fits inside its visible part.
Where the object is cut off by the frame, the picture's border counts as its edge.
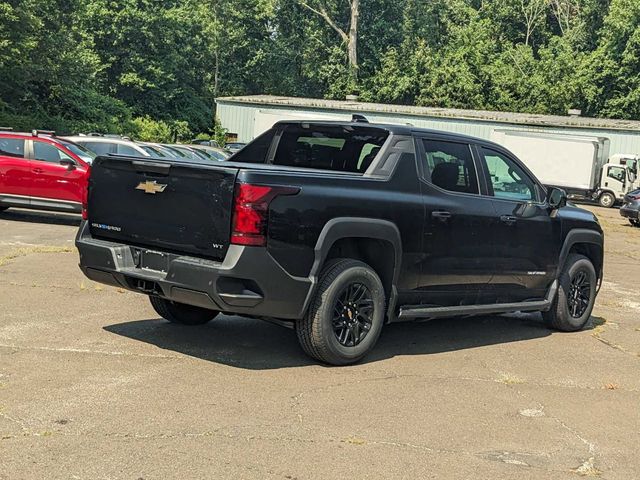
(85, 195)
(251, 212)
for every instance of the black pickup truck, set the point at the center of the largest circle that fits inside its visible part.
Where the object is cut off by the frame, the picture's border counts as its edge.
(338, 228)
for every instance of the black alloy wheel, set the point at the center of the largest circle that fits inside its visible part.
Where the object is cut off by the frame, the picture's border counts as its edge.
(573, 303)
(579, 294)
(352, 318)
(346, 314)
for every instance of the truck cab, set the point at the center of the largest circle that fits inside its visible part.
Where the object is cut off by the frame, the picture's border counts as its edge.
(619, 176)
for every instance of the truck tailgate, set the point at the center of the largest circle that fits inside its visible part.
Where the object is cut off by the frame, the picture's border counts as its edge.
(169, 206)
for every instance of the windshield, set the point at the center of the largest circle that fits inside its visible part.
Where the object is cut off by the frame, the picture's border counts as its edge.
(176, 151)
(154, 152)
(85, 154)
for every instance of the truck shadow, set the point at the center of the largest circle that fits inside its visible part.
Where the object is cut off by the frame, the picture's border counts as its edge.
(257, 345)
(38, 216)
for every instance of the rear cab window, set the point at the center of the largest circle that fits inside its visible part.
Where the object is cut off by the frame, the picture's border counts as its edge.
(343, 148)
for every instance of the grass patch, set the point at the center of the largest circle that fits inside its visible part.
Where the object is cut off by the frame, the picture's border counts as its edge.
(356, 441)
(510, 379)
(24, 251)
(598, 326)
(587, 469)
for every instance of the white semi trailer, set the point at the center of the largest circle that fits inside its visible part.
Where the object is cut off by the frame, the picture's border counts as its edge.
(578, 164)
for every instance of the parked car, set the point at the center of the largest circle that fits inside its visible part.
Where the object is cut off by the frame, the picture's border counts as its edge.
(218, 154)
(186, 152)
(109, 144)
(631, 207)
(208, 143)
(234, 147)
(41, 171)
(156, 150)
(339, 228)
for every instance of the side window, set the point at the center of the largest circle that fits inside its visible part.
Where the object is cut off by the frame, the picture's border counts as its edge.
(127, 150)
(100, 148)
(506, 179)
(617, 173)
(450, 166)
(12, 147)
(45, 152)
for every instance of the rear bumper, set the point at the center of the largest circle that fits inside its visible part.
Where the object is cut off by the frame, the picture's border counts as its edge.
(629, 212)
(248, 282)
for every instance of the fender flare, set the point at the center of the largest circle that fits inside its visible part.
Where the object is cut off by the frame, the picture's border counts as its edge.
(355, 227)
(580, 235)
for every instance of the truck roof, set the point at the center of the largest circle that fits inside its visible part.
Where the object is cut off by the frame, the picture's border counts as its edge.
(392, 128)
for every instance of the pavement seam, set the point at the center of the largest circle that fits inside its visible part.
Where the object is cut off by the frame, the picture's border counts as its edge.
(96, 352)
(588, 464)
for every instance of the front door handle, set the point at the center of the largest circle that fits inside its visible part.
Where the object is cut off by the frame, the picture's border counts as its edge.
(38, 170)
(508, 219)
(441, 215)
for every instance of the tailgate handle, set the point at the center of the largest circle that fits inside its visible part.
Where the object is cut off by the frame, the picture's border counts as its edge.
(154, 167)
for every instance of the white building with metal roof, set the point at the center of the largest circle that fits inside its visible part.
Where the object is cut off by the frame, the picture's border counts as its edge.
(248, 116)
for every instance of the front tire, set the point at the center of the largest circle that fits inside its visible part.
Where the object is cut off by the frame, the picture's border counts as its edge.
(346, 314)
(576, 295)
(635, 223)
(181, 313)
(607, 200)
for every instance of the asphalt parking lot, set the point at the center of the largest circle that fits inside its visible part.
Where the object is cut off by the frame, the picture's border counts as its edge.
(94, 386)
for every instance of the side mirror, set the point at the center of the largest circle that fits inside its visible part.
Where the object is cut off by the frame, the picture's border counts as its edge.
(70, 164)
(556, 198)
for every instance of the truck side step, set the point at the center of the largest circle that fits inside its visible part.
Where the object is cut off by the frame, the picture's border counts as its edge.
(428, 313)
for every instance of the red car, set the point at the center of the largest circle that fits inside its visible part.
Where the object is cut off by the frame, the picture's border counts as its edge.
(42, 172)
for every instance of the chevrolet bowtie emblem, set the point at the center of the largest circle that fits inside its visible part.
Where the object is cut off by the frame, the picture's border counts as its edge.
(151, 187)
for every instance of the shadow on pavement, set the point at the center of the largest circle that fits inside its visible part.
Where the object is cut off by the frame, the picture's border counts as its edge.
(257, 345)
(38, 216)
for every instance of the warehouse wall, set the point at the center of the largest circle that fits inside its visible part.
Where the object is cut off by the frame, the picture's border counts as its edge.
(241, 119)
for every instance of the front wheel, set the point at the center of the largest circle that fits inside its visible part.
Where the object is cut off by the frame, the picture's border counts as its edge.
(346, 315)
(635, 223)
(182, 313)
(2, 209)
(607, 200)
(572, 307)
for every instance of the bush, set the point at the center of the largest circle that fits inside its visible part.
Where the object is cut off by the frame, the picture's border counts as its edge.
(148, 130)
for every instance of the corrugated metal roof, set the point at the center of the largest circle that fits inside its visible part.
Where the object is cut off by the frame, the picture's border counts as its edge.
(452, 113)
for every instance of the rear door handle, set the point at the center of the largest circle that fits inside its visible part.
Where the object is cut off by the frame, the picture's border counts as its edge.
(441, 215)
(508, 219)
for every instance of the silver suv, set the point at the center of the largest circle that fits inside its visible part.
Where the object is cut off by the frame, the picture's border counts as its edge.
(108, 144)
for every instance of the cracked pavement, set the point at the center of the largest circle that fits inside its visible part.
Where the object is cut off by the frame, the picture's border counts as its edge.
(94, 386)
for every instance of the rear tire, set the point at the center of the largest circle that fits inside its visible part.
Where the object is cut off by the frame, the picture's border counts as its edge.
(2, 209)
(181, 313)
(576, 295)
(346, 315)
(607, 200)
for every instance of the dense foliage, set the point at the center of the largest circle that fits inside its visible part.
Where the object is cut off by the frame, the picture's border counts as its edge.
(152, 68)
